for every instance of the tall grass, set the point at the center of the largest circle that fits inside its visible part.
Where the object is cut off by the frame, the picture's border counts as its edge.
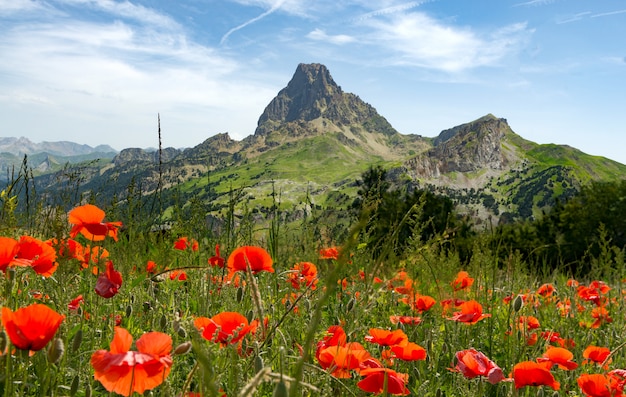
(353, 291)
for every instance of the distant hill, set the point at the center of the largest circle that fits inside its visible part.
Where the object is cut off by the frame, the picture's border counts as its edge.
(45, 156)
(313, 141)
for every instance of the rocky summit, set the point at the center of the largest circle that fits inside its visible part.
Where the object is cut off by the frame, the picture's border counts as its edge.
(313, 141)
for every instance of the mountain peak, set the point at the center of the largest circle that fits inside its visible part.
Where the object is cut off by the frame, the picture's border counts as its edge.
(313, 99)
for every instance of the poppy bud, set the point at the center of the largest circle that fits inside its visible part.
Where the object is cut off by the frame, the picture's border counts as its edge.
(3, 341)
(147, 306)
(163, 322)
(182, 348)
(129, 310)
(258, 363)
(517, 303)
(239, 294)
(540, 392)
(182, 332)
(55, 351)
(280, 390)
(350, 305)
(74, 386)
(88, 390)
(77, 340)
(250, 316)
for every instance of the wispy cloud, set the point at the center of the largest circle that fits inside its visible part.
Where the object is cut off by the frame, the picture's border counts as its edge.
(418, 40)
(606, 14)
(572, 18)
(274, 7)
(339, 39)
(533, 3)
(140, 63)
(391, 9)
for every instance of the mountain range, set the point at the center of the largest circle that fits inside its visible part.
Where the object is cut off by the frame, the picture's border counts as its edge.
(312, 143)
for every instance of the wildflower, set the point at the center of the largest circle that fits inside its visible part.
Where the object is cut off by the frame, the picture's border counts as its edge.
(462, 281)
(546, 290)
(375, 380)
(303, 274)
(384, 337)
(109, 282)
(126, 372)
(31, 327)
(75, 303)
(34, 253)
(419, 302)
(527, 323)
(329, 253)
(598, 385)
(409, 351)
(217, 260)
(179, 275)
(472, 363)
(256, 257)
(88, 221)
(335, 336)
(530, 373)
(597, 355)
(183, 243)
(151, 267)
(341, 359)
(471, 312)
(559, 356)
(406, 320)
(224, 328)
(601, 316)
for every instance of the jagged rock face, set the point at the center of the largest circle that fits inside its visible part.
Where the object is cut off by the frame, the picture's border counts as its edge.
(136, 155)
(465, 148)
(313, 94)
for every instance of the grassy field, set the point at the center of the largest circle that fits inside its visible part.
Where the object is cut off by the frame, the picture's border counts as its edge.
(280, 312)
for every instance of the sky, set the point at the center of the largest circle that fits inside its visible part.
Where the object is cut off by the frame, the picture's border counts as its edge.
(100, 71)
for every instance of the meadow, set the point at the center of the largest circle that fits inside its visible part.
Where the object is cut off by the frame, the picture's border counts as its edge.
(92, 305)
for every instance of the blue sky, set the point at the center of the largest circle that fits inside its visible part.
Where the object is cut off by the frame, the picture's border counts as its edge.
(99, 71)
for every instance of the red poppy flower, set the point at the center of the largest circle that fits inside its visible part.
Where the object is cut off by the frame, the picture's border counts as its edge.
(530, 373)
(151, 267)
(8, 251)
(462, 281)
(258, 259)
(109, 282)
(88, 221)
(471, 313)
(183, 243)
(75, 303)
(601, 316)
(406, 320)
(224, 328)
(419, 302)
(559, 356)
(527, 323)
(340, 360)
(217, 260)
(375, 379)
(598, 385)
(126, 372)
(335, 336)
(546, 290)
(303, 274)
(329, 253)
(34, 253)
(596, 354)
(31, 327)
(179, 275)
(472, 363)
(409, 352)
(385, 337)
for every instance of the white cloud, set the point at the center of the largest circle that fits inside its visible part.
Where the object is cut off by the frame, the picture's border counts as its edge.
(419, 40)
(339, 39)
